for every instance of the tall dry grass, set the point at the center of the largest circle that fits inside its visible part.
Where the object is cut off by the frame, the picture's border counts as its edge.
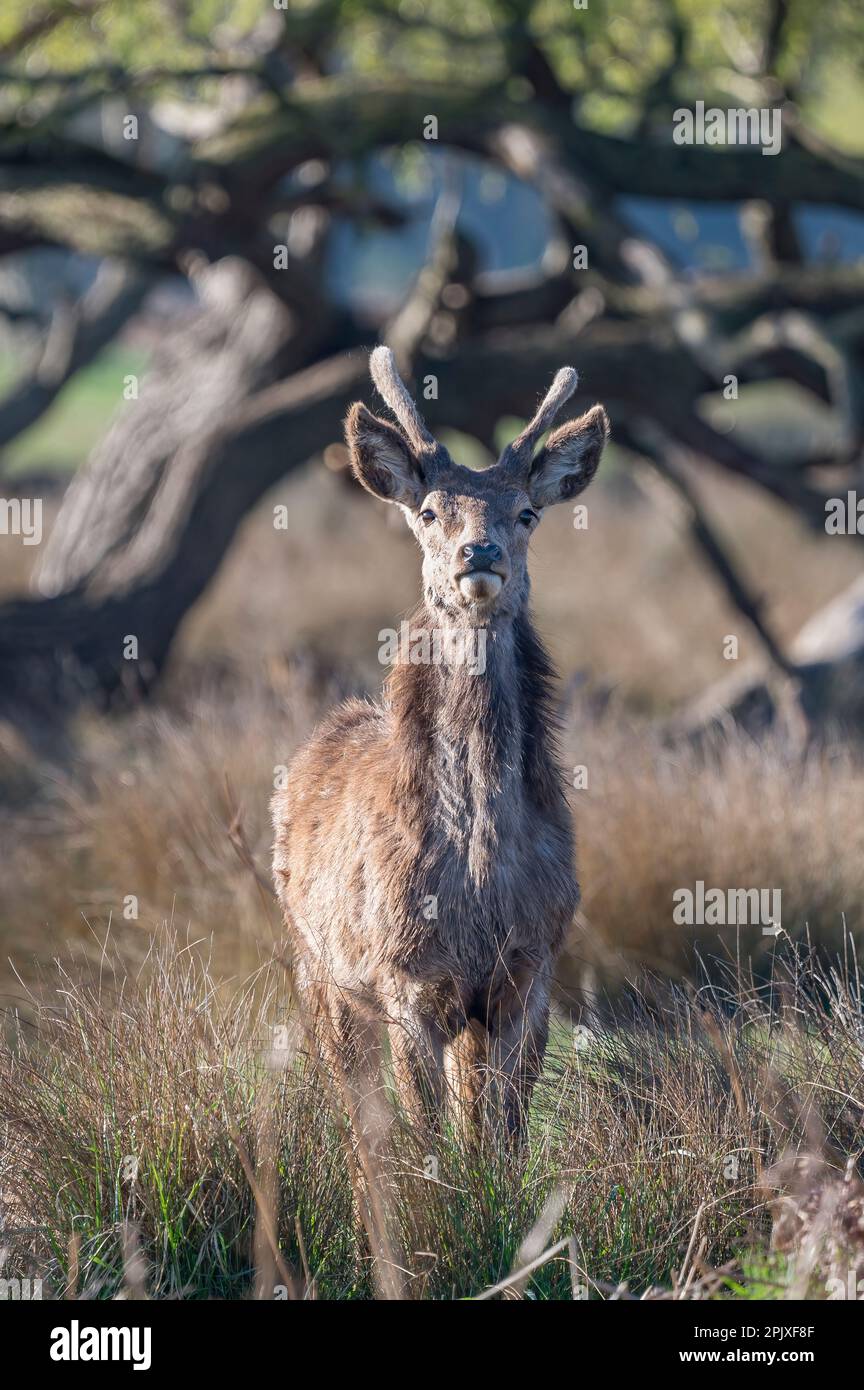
(145, 810)
(140, 1113)
(134, 829)
(654, 818)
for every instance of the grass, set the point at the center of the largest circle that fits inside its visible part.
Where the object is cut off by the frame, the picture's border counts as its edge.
(141, 1113)
(655, 818)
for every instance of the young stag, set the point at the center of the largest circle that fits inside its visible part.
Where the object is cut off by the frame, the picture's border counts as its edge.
(424, 854)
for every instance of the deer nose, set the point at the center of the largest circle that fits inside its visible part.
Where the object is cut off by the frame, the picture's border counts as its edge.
(481, 557)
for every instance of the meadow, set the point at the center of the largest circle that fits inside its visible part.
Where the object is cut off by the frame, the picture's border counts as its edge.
(165, 1129)
(168, 1139)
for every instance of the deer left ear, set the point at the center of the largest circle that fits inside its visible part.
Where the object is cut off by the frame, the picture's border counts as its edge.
(569, 459)
(381, 459)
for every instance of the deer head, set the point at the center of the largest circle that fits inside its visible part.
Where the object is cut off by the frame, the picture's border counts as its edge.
(473, 527)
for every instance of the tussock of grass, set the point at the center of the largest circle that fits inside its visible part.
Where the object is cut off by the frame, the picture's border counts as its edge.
(139, 1114)
(655, 818)
(134, 830)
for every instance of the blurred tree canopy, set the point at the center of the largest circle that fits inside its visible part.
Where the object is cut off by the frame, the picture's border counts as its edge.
(226, 142)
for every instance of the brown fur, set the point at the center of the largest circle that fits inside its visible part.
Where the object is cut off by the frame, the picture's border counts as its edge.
(423, 852)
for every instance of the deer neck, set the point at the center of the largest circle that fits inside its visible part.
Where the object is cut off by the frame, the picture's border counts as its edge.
(473, 722)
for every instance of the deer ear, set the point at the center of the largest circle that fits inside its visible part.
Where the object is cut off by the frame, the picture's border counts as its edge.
(381, 459)
(568, 461)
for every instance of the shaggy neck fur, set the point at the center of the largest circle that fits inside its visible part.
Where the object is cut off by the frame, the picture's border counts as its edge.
(476, 747)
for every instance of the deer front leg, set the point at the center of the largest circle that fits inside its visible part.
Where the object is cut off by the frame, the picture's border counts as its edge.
(417, 1049)
(350, 1048)
(518, 1033)
(467, 1070)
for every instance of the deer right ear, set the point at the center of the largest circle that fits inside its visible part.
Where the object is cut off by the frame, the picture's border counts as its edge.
(381, 460)
(569, 460)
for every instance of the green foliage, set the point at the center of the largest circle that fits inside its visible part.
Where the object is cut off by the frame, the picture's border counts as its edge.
(617, 62)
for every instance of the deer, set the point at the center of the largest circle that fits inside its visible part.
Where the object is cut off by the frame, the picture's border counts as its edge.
(424, 851)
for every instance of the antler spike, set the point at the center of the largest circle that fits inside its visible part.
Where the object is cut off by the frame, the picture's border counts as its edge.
(517, 456)
(382, 366)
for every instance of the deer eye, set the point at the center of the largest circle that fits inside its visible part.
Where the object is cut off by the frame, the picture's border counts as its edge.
(427, 515)
(527, 517)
